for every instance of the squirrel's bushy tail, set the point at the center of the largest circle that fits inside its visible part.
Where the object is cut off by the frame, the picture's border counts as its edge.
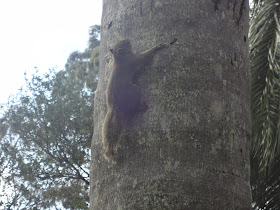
(111, 133)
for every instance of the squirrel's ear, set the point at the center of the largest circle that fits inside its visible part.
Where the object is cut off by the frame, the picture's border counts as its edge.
(111, 50)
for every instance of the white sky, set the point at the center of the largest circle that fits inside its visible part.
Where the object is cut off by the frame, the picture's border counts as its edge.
(41, 33)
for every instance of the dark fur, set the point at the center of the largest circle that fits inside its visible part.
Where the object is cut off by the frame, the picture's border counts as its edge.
(123, 96)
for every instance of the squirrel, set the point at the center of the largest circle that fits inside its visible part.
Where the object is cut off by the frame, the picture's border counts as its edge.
(122, 94)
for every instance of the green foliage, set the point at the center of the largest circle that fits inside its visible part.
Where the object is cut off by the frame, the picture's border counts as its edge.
(45, 137)
(265, 187)
(48, 137)
(265, 60)
(264, 40)
(84, 65)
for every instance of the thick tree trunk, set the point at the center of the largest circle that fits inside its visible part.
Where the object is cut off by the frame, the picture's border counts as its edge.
(190, 150)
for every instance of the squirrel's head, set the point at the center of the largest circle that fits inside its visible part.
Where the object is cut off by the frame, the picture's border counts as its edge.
(122, 48)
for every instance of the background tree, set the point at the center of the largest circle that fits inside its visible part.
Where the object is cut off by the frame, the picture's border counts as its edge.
(190, 150)
(46, 131)
(84, 65)
(265, 66)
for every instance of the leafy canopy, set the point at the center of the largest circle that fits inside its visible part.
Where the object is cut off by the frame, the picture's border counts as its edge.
(265, 107)
(45, 136)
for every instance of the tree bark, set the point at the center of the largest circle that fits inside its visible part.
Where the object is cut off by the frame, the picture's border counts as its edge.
(190, 149)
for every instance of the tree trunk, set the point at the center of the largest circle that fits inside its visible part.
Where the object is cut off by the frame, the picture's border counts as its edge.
(190, 149)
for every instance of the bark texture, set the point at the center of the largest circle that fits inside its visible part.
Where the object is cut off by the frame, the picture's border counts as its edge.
(190, 150)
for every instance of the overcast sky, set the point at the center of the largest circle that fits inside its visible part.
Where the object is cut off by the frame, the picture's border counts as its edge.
(37, 33)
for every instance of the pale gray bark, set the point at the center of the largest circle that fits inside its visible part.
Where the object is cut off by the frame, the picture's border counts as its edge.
(190, 150)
